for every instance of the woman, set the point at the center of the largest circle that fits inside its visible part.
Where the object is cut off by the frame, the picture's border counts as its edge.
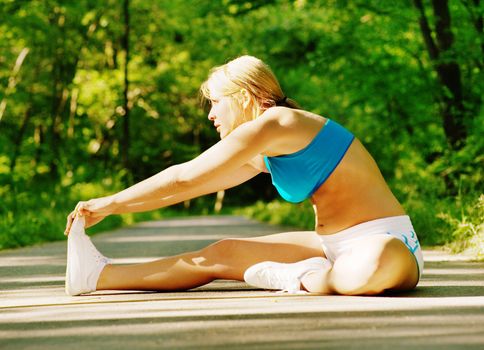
(363, 243)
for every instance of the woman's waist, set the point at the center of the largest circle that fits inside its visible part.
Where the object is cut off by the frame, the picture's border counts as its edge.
(346, 204)
(335, 217)
(376, 224)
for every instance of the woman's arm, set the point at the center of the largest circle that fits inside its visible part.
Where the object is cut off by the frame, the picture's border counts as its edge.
(242, 175)
(219, 161)
(224, 158)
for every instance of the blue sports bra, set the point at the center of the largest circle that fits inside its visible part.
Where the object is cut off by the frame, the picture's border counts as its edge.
(298, 175)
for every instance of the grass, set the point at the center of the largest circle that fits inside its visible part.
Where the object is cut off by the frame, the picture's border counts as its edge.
(35, 214)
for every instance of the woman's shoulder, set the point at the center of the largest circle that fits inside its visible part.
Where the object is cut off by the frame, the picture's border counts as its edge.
(290, 118)
(282, 129)
(295, 129)
(272, 122)
(283, 116)
(283, 121)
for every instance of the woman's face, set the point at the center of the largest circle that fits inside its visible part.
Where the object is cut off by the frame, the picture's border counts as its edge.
(224, 113)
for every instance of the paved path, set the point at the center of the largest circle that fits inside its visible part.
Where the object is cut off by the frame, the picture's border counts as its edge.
(446, 311)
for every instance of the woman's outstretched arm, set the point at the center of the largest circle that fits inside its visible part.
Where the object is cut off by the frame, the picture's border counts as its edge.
(243, 174)
(240, 176)
(223, 159)
(220, 161)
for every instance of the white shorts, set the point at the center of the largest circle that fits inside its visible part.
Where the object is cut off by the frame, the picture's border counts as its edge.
(397, 226)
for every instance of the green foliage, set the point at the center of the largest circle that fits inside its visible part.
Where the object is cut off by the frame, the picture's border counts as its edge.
(37, 215)
(467, 227)
(363, 63)
(281, 213)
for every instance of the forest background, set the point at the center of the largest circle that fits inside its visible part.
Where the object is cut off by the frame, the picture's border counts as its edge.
(98, 95)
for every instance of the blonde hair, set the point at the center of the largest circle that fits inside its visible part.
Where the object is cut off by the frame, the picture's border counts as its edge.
(251, 74)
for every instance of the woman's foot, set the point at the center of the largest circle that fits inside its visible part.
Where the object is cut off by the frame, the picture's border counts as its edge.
(280, 276)
(84, 262)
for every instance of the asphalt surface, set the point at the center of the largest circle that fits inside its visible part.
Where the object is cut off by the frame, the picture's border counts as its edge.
(445, 311)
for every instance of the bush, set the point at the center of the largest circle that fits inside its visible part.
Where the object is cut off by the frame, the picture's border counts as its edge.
(277, 212)
(32, 213)
(467, 228)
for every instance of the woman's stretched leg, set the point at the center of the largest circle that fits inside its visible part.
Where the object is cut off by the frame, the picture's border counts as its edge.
(225, 259)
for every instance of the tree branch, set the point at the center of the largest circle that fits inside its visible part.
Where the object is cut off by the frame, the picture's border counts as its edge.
(426, 31)
(12, 81)
(445, 38)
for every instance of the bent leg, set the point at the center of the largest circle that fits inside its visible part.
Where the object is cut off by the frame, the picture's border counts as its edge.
(225, 259)
(375, 264)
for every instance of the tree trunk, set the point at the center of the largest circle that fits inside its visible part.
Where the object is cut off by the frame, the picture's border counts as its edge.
(12, 81)
(479, 24)
(56, 88)
(19, 138)
(125, 145)
(72, 112)
(448, 70)
(219, 201)
(39, 138)
(53, 133)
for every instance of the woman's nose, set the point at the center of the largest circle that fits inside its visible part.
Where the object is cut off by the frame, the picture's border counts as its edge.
(211, 116)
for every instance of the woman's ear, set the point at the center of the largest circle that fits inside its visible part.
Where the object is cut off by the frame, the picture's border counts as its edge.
(246, 100)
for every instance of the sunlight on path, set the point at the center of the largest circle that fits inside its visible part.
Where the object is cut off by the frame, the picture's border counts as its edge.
(446, 309)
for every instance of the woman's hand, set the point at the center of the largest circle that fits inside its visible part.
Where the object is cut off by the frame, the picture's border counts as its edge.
(97, 207)
(89, 221)
(94, 210)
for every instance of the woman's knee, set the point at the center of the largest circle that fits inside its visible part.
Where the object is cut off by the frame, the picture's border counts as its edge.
(378, 264)
(220, 250)
(221, 256)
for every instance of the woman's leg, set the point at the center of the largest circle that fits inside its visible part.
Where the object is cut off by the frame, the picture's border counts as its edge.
(225, 259)
(375, 264)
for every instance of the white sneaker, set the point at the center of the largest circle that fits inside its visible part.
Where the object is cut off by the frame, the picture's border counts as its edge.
(84, 261)
(280, 276)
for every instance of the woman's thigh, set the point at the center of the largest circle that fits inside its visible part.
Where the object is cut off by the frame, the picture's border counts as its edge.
(231, 257)
(373, 265)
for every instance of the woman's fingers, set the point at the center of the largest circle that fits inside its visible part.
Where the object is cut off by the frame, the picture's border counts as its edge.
(70, 219)
(86, 209)
(81, 208)
(94, 210)
(90, 221)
